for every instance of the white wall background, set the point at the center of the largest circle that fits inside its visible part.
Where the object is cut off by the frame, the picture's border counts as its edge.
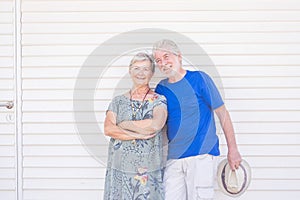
(254, 44)
(7, 128)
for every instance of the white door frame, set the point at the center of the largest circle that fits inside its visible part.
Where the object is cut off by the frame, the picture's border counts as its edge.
(18, 99)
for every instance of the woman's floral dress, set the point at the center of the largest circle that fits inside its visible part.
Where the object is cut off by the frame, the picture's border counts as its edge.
(135, 167)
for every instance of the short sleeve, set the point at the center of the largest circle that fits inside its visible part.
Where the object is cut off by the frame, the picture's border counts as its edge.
(160, 100)
(210, 92)
(113, 106)
(158, 89)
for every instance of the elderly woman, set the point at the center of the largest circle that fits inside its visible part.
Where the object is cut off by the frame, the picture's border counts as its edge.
(134, 121)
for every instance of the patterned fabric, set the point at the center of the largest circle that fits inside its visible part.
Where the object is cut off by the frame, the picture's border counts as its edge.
(135, 168)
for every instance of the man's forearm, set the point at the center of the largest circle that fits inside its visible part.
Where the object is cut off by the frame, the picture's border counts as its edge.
(233, 156)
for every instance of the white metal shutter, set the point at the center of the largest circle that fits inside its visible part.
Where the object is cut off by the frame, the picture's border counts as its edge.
(254, 44)
(7, 128)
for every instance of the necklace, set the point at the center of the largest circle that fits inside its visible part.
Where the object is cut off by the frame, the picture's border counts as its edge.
(133, 107)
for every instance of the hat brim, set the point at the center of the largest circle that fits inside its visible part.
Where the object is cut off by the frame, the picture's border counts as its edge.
(244, 168)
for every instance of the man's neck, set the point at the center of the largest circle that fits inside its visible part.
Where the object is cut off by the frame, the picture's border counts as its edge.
(177, 76)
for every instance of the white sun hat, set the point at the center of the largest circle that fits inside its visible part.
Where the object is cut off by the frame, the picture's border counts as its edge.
(233, 182)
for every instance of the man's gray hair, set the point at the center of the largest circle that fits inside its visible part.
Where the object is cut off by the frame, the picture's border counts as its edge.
(166, 45)
(142, 57)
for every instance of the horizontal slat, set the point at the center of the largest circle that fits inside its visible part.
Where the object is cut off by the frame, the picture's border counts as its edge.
(257, 173)
(122, 71)
(7, 184)
(34, 28)
(64, 173)
(7, 150)
(99, 183)
(100, 94)
(7, 128)
(60, 72)
(263, 127)
(261, 161)
(67, 39)
(98, 194)
(58, 129)
(63, 183)
(7, 162)
(8, 173)
(54, 61)
(6, 72)
(258, 71)
(6, 39)
(113, 83)
(261, 93)
(268, 150)
(214, 38)
(6, 6)
(49, 149)
(258, 116)
(6, 51)
(61, 106)
(264, 139)
(142, 6)
(157, 16)
(210, 49)
(264, 44)
(8, 194)
(63, 150)
(61, 139)
(68, 94)
(7, 139)
(6, 28)
(240, 128)
(268, 105)
(66, 194)
(276, 173)
(6, 116)
(6, 61)
(60, 162)
(265, 116)
(232, 105)
(280, 82)
(70, 84)
(6, 17)
(76, 61)
(264, 194)
(253, 60)
(64, 50)
(275, 185)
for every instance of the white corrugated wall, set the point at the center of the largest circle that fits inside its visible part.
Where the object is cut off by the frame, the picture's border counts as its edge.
(7, 128)
(254, 44)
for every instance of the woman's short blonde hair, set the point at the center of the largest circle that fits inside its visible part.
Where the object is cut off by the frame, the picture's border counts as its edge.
(142, 57)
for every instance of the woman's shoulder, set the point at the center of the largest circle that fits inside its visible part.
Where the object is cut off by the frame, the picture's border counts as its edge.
(118, 98)
(157, 97)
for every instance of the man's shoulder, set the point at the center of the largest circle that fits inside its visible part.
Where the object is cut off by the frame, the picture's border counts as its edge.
(198, 75)
(163, 82)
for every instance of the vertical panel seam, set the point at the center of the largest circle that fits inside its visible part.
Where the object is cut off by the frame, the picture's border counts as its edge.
(18, 99)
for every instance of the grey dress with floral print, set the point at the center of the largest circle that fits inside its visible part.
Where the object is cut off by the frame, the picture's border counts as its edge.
(135, 167)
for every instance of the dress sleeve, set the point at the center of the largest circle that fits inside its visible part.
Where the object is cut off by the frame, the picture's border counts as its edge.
(160, 100)
(113, 106)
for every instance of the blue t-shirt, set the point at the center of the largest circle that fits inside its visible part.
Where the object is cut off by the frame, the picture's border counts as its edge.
(191, 125)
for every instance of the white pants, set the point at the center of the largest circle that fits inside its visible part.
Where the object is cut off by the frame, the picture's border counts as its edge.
(190, 178)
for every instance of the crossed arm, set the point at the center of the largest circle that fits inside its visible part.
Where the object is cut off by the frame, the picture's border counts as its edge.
(130, 130)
